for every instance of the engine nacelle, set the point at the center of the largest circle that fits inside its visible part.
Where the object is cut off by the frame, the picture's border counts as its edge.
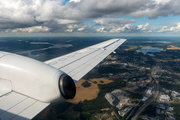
(36, 79)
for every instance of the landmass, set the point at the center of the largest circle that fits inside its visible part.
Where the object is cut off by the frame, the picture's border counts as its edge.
(127, 85)
(139, 87)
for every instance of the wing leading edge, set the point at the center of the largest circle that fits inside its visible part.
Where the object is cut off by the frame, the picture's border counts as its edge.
(78, 63)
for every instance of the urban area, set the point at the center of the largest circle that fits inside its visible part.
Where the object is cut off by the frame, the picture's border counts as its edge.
(139, 81)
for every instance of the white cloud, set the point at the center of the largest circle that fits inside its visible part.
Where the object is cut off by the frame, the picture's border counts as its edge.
(100, 29)
(31, 15)
(81, 29)
(65, 21)
(175, 29)
(144, 27)
(16, 11)
(125, 28)
(34, 29)
(71, 28)
(161, 1)
(112, 21)
(117, 29)
(75, 1)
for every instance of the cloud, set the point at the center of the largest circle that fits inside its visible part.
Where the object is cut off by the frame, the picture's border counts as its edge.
(114, 25)
(161, 1)
(71, 28)
(145, 27)
(81, 29)
(113, 21)
(175, 29)
(158, 8)
(31, 15)
(65, 21)
(75, 1)
(126, 28)
(34, 29)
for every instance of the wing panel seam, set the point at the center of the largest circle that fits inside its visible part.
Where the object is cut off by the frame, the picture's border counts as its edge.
(14, 105)
(102, 54)
(94, 60)
(79, 58)
(87, 54)
(24, 109)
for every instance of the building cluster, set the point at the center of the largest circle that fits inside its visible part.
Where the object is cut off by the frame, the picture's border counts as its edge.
(175, 94)
(172, 93)
(122, 112)
(164, 98)
(144, 81)
(119, 99)
(164, 110)
(148, 94)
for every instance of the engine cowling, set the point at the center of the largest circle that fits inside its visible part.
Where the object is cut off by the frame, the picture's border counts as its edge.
(36, 79)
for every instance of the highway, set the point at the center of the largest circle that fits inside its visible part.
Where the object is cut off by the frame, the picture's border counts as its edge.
(150, 100)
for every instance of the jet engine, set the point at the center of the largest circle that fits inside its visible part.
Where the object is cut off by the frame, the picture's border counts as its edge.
(35, 79)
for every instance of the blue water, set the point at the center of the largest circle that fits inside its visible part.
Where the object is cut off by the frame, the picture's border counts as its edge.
(151, 50)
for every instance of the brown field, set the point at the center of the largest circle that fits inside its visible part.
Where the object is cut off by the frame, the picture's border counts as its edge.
(171, 47)
(126, 49)
(105, 81)
(88, 93)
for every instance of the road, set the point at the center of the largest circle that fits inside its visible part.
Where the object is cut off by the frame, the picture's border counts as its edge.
(151, 99)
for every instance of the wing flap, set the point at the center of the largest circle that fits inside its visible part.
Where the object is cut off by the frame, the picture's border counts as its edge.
(31, 111)
(19, 107)
(10, 100)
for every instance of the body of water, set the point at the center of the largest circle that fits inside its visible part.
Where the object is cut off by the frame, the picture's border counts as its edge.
(150, 50)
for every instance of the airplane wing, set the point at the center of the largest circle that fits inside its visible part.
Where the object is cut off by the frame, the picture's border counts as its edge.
(78, 63)
(14, 106)
(25, 90)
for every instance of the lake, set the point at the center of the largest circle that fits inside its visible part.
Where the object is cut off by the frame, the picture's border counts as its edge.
(148, 50)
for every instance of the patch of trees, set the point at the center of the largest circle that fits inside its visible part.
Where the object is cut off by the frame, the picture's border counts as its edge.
(110, 69)
(150, 110)
(86, 84)
(61, 107)
(176, 110)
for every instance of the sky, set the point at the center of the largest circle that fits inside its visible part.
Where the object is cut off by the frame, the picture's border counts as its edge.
(89, 18)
